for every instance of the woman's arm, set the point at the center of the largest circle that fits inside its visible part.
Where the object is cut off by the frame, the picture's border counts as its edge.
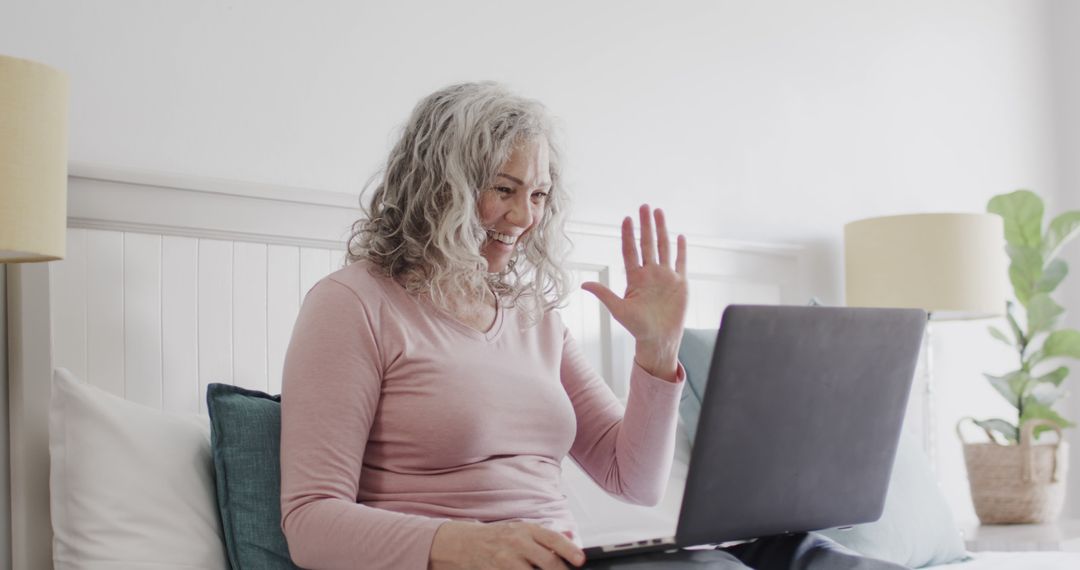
(331, 383)
(627, 452)
(630, 453)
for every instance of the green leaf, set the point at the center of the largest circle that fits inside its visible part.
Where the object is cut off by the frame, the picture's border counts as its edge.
(1046, 393)
(1017, 332)
(1003, 427)
(1022, 211)
(996, 333)
(1052, 275)
(1034, 410)
(1062, 229)
(1024, 271)
(1055, 377)
(1010, 386)
(1065, 342)
(1043, 313)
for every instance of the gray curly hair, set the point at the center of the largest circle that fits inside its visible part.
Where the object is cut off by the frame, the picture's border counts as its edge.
(422, 227)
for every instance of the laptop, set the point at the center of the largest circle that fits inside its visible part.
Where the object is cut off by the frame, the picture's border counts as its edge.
(799, 424)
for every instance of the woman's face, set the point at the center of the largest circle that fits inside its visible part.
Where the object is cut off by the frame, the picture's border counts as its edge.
(514, 202)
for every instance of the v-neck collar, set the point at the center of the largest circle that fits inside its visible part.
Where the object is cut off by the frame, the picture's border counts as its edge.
(489, 335)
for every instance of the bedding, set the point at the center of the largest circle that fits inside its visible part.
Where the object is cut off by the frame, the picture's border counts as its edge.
(112, 458)
(1016, 561)
(245, 435)
(131, 487)
(916, 528)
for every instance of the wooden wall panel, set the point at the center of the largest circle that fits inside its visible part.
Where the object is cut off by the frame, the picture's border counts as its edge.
(176, 313)
(105, 310)
(314, 265)
(68, 299)
(619, 342)
(179, 323)
(142, 319)
(282, 306)
(583, 316)
(215, 312)
(249, 315)
(337, 259)
(222, 311)
(709, 295)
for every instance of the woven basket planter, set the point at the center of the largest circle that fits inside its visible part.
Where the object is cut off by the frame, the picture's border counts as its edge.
(1022, 483)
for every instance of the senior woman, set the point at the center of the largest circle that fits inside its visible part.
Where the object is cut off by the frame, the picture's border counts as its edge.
(430, 390)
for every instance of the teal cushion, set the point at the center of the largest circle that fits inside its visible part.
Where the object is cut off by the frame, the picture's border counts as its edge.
(245, 436)
(917, 528)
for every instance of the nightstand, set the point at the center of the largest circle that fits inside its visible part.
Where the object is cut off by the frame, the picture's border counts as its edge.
(1061, 535)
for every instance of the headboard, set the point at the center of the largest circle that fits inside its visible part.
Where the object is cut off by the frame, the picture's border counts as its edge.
(172, 282)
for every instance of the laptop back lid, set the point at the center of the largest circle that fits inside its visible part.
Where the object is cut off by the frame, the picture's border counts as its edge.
(800, 420)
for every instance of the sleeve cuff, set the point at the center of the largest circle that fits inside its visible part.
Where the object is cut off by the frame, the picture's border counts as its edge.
(640, 379)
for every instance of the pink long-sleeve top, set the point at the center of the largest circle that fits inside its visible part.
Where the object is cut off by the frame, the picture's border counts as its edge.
(396, 417)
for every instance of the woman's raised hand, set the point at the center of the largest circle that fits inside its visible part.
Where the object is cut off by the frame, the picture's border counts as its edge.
(653, 308)
(508, 545)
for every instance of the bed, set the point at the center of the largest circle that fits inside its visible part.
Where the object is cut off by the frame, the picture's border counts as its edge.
(171, 283)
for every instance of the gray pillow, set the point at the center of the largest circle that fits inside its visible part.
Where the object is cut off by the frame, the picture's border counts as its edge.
(917, 528)
(245, 437)
(695, 354)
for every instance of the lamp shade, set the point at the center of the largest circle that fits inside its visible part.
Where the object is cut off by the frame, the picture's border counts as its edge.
(33, 161)
(952, 265)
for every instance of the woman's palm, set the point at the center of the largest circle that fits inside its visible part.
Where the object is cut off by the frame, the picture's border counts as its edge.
(653, 306)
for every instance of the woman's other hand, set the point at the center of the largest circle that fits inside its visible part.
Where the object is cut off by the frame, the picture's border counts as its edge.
(653, 308)
(511, 545)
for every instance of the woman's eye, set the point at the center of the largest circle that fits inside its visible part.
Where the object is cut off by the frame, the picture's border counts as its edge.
(539, 196)
(504, 190)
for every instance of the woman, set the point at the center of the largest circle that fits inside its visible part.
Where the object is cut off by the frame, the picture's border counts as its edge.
(430, 392)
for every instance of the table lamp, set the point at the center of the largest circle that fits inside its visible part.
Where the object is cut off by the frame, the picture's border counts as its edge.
(33, 161)
(33, 222)
(952, 265)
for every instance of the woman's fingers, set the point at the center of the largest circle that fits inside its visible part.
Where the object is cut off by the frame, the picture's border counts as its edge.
(629, 250)
(680, 255)
(605, 295)
(655, 243)
(540, 557)
(559, 546)
(662, 245)
(648, 243)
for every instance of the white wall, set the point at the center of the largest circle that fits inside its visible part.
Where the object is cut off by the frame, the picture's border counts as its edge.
(776, 120)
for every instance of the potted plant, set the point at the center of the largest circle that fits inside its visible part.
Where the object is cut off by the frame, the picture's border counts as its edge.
(1013, 479)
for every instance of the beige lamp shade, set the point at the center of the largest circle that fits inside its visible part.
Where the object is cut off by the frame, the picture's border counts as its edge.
(952, 265)
(33, 161)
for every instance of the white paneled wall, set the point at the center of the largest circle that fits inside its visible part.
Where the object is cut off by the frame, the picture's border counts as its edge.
(104, 325)
(179, 323)
(155, 318)
(587, 320)
(283, 291)
(712, 294)
(153, 304)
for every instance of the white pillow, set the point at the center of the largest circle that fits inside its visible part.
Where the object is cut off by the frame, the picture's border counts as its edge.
(131, 487)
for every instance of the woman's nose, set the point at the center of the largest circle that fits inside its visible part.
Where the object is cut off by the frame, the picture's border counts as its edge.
(520, 214)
